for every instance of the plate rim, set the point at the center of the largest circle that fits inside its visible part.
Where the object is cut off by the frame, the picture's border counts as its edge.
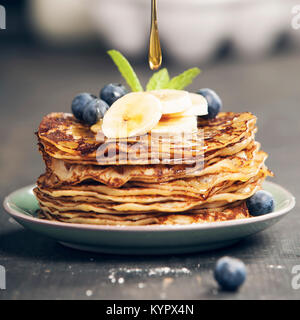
(161, 228)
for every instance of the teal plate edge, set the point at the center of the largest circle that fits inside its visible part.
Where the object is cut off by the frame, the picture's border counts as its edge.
(22, 205)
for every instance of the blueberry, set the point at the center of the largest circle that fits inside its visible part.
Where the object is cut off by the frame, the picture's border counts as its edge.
(213, 101)
(230, 273)
(80, 102)
(260, 203)
(103, 107)
(112, 92)
(94, 111)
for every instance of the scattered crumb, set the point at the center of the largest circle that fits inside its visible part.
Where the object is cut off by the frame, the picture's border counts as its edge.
(112, 278)
(166, 270)
(121, 280)
(89, 293)
(271, 266)
(141, 285)
(119, 274)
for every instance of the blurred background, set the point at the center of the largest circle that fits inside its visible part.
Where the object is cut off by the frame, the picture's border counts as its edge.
(197, 31)
(53, 49)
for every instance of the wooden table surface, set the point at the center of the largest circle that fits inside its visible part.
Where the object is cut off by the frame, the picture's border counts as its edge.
(34, 83)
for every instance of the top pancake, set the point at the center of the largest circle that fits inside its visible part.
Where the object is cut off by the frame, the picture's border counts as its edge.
(65, 138)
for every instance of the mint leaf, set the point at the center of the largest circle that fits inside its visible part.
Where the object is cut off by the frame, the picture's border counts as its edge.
(126, 70)
(183, 80)
(159, 80)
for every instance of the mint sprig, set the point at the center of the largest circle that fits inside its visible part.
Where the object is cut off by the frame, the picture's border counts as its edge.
(159, 80)
(183, 80)
(126, 70)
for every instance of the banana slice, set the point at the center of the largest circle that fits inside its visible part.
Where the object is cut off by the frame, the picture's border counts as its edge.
(175, 125)
(199, 107)
(173, 101)
(134, 114)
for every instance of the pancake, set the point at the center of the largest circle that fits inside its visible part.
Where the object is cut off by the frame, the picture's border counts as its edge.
(231, 212)
(60, 172)
(220, 194)
(196, 187)
(63, 137)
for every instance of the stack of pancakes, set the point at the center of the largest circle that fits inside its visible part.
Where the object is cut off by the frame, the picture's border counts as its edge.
(201, 177)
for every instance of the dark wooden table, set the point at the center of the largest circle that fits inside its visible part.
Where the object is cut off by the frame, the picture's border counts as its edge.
(34, 83)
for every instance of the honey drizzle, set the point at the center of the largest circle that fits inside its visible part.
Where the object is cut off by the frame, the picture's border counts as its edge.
(155, 55)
